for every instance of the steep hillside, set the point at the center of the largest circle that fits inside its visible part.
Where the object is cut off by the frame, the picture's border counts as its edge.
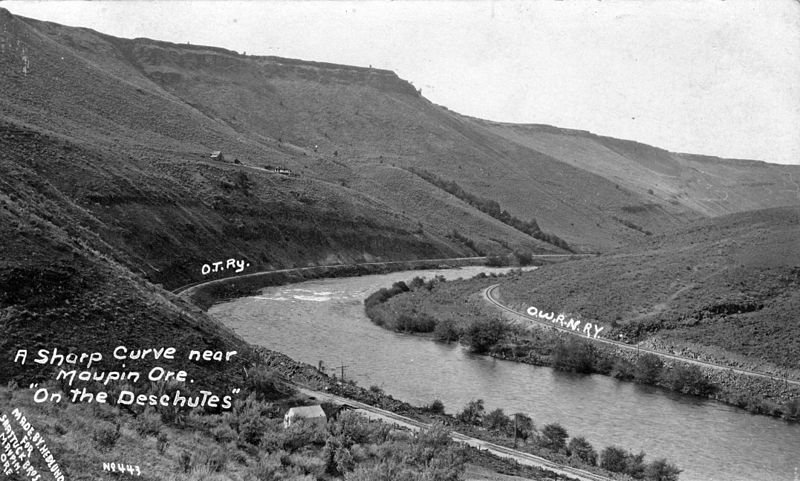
(731, 284)
(90, 117)
(708, 185)
(60, 289)
(151, 112)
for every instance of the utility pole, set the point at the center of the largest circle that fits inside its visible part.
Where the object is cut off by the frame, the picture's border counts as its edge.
(342, 368)
(515, 431)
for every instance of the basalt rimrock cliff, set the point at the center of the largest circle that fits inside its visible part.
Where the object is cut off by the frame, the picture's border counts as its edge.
(108, 186)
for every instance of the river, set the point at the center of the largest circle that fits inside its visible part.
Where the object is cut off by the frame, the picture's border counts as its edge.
(324, 320)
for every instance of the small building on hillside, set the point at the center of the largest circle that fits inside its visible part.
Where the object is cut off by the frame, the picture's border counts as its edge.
(217, 155)
(309, 413)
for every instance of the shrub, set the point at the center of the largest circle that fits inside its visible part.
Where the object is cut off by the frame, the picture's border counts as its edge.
(307, 464)
(251, 426)
(161, 442)
(583, 450)
(496, 420)
(215, 458)
(524, 258)
(688, 380)
(467, 242)
(435, 436)
(354, 428)
(185, 461)
(483, 334)
(333, 445)
(399, 287)
(436, 407)
(647, 369)
(472, 413)
(554, 437)
(616, 460)
(343, 459)
(661, 470)
(634, 465)
(304, 433)
(147, 424)
(266, 384)
(622, 369)
(573, 355)
(105, 436)
(791, 410)
(524, 425)
(224, 433)
(416, 322)
(498, 261)
(613, 459)
(446, 330)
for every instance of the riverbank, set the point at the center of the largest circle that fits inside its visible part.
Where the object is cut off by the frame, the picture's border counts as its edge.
(307, 376)
(205, 294)
(576, 454)
(455, 311)
(324, 320)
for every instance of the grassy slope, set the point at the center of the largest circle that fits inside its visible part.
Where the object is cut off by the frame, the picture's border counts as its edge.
(732, 283)
(62, 289)
(164, 106)
(134, 159)
(708, 185)
(247, 443)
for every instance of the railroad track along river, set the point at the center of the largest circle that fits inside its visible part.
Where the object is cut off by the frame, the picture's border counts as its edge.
(496, 449)
(516, 316)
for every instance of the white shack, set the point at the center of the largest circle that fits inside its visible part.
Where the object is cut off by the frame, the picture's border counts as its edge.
(309, 413)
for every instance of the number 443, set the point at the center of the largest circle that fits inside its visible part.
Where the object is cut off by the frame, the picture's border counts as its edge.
(121, 468)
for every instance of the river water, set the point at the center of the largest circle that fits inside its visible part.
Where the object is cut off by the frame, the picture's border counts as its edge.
(324, 320)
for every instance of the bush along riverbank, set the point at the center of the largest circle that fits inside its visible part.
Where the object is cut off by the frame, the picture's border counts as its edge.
(517, 430)
(454, 312)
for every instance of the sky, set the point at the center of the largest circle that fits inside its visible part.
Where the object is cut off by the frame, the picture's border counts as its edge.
(701, 76)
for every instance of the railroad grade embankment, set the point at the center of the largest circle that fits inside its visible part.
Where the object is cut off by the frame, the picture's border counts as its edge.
(206, 293)
(496, 449)
(515, 315)
(735, 383)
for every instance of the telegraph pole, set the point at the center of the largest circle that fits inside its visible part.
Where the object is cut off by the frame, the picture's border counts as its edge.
(342, 368)
(515, 431)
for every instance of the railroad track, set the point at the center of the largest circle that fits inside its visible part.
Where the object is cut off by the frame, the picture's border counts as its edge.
(184, 288)
(488, 295)
(496, 449)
